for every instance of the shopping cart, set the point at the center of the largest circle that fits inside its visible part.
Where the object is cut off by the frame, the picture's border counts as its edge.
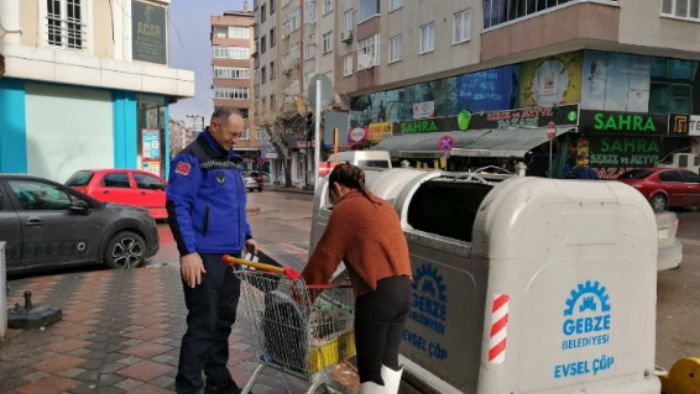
(299, 329)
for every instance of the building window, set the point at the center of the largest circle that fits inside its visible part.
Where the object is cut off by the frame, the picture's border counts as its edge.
(368, 9)
(427, 38)
(224, 52)
(395, 49)
(327, 6)
(497, 12)
(273, 71)
(347, 65)
(246, 134)
(273, 6)
(310, 11)
(286, 28)
(66, 28)
(368, 46)
(263, 74)
(463, 26)
(273, 37)
(349, 20)
(231, 92)
(221, 31)
(286, 64)
(273, 104)
(256, 78)
(239, 32)
(231, 73)
(295, 52)
(263, 46)
(309, 51)
(262, 13)
(264, 106)
(395, 5)
(259, 135)
(295, 19)
(681, 8)
(328, 42)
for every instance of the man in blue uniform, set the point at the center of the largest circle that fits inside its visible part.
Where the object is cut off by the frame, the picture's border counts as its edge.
(206, 203)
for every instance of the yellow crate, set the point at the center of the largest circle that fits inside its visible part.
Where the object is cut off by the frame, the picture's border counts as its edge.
(332, 351)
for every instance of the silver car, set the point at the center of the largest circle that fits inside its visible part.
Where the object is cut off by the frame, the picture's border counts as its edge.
(670, 248)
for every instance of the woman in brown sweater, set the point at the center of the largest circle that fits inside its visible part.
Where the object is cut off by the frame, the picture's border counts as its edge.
(365, 233)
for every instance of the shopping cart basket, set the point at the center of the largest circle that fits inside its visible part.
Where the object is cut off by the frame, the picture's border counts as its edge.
(299, 329)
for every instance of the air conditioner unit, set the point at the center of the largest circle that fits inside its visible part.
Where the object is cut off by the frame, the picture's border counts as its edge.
(346, 36)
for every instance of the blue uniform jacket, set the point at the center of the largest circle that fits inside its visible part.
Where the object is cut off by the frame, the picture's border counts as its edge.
(206, 199)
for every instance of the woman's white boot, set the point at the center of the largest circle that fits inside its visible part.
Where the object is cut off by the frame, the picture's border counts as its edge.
(373, 388)
(392, 379)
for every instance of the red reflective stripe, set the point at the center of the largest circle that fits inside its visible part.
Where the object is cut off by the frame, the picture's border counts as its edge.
(497, 350)
(499, 325)
(499, 302)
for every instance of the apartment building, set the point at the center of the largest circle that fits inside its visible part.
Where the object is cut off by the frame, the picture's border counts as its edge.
(234, 49)
(86, 84)
(618, 79)
(267, 36)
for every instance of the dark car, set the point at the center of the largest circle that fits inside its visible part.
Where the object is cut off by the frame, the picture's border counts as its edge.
(48, 225)
(665, 187)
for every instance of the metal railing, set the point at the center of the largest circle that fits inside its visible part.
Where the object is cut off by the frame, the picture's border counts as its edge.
(69, 33)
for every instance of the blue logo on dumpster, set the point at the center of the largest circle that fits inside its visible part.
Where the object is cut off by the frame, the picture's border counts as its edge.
(429, 304)
(429, 309)
(587, 323)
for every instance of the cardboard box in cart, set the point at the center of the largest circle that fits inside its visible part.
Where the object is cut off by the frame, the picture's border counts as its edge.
(524, 286)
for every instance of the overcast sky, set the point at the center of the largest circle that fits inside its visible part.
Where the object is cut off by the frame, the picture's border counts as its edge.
(191, 50)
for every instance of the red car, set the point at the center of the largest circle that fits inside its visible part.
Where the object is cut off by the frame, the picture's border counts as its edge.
(665, 187)
(126, 187)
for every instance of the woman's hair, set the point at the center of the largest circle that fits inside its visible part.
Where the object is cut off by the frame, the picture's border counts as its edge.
(351, 177)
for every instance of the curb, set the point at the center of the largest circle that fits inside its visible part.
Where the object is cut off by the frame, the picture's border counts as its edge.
(292, 190)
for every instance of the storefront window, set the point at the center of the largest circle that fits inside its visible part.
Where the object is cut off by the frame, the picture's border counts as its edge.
(151, 134)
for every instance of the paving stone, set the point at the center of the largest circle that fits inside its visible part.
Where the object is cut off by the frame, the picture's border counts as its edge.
(145, 371)
(146, 350)
(165, 382)
(72, 372)
(58, 363)
(67, 345)
(129, 384)
(109, 379)
(131, 360)
(50, 385)
(149, 389)
(112, 367)
(109, 390)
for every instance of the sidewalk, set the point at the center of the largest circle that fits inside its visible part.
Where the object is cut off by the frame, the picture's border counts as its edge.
(120, 333)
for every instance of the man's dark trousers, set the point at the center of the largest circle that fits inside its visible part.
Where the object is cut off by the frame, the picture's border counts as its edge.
(212, 311)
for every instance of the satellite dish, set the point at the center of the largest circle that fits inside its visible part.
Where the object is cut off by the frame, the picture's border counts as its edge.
(364, 61)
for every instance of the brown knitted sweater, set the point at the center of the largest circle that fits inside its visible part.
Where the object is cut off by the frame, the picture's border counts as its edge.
(368, 237)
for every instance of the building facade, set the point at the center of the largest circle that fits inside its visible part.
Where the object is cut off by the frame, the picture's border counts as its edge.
(506, 65)
(86, 85)
(233, 49)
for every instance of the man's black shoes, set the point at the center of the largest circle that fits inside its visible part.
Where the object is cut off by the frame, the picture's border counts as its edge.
(224, 388)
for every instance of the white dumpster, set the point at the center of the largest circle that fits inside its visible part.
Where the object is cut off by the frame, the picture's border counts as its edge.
(527, 286)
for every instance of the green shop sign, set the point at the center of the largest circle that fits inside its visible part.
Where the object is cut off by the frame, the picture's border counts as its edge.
(624, 123)
(149, 33)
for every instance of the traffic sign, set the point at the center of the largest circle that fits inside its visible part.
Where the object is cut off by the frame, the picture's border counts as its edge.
(446, 143)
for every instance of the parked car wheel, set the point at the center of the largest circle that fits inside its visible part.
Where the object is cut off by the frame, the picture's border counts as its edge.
(260, 189)
(125, 250)
(659, 202)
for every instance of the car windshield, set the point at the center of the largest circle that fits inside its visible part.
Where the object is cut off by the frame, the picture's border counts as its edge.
(636, 174)
(80, 178)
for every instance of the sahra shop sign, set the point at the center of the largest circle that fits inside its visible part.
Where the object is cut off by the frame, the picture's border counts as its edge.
(624, 123)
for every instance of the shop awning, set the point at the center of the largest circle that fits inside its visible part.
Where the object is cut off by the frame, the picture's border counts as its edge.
(507, 142)
(475, 143)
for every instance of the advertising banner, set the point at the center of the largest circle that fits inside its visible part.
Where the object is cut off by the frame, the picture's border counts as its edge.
(150, 144)
(616, 82)
(623, 123)
(551, 81)
(378, 132)
(425, 109)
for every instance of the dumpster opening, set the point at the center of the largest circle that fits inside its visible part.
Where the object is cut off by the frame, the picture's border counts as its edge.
(447, 207)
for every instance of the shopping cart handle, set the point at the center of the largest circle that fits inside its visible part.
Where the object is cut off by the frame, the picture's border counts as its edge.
(291, 273)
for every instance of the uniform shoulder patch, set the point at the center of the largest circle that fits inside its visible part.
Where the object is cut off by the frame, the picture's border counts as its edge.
(183, 168)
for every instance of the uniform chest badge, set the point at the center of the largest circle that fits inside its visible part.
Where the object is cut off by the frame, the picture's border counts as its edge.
(220, 177)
